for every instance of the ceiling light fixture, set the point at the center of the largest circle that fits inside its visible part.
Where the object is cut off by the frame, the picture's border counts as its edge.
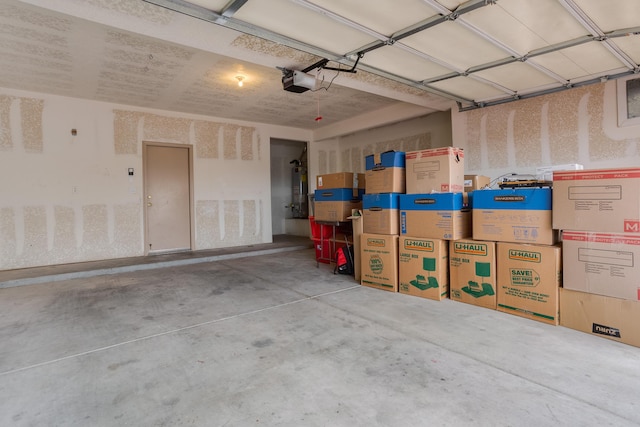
(240, 80)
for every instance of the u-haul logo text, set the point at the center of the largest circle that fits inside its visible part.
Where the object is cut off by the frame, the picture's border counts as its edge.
(631, 226)
(419, 245)
(376, 242)
(526, 256)
(470, 248)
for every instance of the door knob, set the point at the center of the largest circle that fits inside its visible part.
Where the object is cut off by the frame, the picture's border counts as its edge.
(149, 204)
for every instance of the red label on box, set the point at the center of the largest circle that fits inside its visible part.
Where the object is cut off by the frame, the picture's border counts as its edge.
(631, 226)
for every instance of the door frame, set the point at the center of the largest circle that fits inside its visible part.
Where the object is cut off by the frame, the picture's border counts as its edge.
(189, 147)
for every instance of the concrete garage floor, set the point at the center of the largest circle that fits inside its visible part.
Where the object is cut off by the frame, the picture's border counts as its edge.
(272, 340)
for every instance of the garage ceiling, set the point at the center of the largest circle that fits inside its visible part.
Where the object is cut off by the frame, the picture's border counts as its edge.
(428, 54)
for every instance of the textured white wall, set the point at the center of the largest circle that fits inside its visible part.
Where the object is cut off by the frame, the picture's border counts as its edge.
(573, 126)
(69, 198)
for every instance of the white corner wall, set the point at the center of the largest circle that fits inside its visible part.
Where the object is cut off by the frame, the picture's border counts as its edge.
(69, 198)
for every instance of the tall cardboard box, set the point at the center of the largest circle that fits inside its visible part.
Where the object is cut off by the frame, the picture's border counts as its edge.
(385, 172)
(472, 272)
(606, 200)
(424, 267)
(379, 261)
(436, 169)
(381, 213)
(435, 216)
(340, 180)
(529, 279)
(602, 263)
(518, 215)
(357, 228)
(612, 318)
(336, 204)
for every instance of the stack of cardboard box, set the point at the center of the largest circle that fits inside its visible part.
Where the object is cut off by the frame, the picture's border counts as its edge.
(598, 212)
(335, 197)
(513, 228)
(433, 212)
(385, 181)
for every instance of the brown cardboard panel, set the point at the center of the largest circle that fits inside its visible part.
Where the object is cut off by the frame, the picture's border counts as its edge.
(528, 279)
(436, 169)
(389, 180)
(335, 211)
(340, 180)
(602, 263)
(612, 318)
(383, 221)
(472, 272)
(475, 182)
(603, 200)
(424, 267)
(379, 261)
(441, 224)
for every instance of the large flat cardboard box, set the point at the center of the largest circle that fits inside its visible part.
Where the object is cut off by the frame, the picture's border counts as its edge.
(472, 272)
(336, 204)
(379, 261)
(381, 213)
(519, 215)
(612, 318)
(340, 180)
(602, 263)
(385, 172)
(436, 169)
(606, 200)
(529, 278)
(357, 229)
(476, 182)
(435, 216)
(424, 267)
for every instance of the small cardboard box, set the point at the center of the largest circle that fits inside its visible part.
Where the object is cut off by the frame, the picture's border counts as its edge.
(340, 180)
(472, 272)
(336, 205)
(605, 200)
(529, 277)
(381, 213)
(436, 216)
(602, 263)
(476, 182)
(356, 225)
(424, 267)
(379, 261)
(612, 318)
(385, 172)
(436, 169)
(520, 215)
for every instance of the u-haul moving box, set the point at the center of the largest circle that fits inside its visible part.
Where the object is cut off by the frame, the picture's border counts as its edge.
(521, 215)
(529, 277)
(472, 272)
(436, 216)
(436, 169)
(380, 213)
(385, 172)
(602, 263)
(379, 261)
(424, 267)
(606, 200)
(613, 318)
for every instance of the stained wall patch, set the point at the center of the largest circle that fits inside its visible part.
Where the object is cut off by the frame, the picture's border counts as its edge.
(230, 142)
(31, 121)
(64, 233)
(231, 220)
(161, 128)
(206, 136)
(6, 144)
(246, 143)
(125, 131)
(207, 224)
(127, 237)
